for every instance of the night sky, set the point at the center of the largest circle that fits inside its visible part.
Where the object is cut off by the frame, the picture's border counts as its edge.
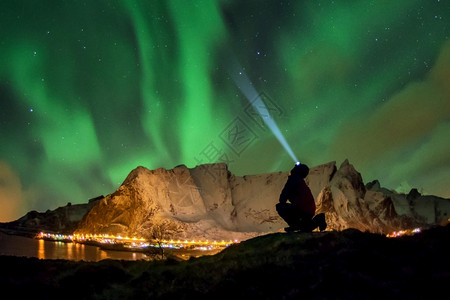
(89, 90)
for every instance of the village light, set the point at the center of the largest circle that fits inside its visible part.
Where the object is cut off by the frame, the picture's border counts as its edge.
(403, 232)
(133, 241)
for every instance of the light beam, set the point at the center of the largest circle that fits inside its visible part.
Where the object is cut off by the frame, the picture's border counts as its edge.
(246, 86)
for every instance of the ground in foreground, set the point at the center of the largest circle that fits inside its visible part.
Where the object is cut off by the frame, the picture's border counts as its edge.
(347, 264)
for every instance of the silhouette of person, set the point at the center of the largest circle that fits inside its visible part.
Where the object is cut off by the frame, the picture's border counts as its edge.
(299, 213)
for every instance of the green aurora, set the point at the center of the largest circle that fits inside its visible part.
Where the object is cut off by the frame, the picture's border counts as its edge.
(92, 89)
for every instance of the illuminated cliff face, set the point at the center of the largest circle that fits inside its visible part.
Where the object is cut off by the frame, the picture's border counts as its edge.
(205, 202)
(210, 203)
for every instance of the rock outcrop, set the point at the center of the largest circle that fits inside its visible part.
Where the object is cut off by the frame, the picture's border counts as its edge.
(209, 202)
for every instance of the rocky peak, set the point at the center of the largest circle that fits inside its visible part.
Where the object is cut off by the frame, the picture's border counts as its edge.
(347, 174)
(373, 185)
(139, 171)
(413, 194)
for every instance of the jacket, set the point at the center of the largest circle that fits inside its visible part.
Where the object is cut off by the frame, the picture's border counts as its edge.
(298, 193)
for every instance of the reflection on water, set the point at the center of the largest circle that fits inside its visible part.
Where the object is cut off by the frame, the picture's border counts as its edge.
(41, 249)
(22, 246)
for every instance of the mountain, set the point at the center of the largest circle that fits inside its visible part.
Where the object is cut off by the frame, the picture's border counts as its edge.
(209, 202)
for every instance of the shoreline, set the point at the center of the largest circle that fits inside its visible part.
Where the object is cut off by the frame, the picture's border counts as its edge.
(150, 251)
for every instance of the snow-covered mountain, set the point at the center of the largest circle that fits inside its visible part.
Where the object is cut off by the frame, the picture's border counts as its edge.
(209, 202)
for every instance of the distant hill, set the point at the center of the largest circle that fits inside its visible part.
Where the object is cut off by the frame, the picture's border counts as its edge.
(62, 220)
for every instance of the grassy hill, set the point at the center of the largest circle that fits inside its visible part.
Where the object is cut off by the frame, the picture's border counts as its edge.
(331, 265)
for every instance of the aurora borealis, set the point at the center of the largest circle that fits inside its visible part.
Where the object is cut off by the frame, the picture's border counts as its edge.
(92, 89)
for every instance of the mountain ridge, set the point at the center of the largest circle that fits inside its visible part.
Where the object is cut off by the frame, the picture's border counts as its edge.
(209, 202)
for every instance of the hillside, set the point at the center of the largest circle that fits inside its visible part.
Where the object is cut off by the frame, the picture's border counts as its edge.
(331, 265)
(64, 219)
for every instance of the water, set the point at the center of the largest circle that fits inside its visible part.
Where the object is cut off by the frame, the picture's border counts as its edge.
(28, 247)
